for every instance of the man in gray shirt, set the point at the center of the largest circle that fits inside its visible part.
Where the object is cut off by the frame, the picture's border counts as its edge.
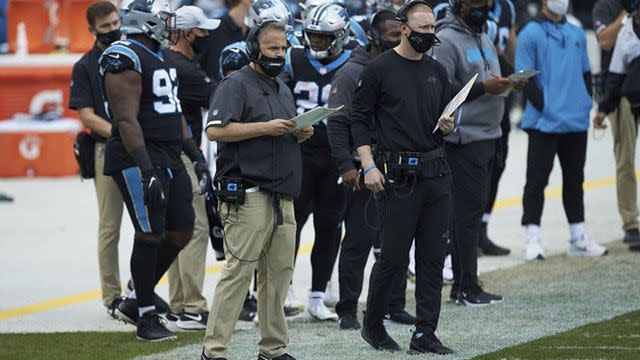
(466, 50)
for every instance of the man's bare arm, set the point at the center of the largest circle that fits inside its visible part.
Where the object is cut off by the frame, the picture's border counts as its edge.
(607, 37)
(123, 91)
(94, 122)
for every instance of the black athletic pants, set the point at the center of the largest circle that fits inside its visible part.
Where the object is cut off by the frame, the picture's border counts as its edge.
(323, 196)
(571, 149)
(471, 166)
(500, 159)
(423, 216)
(363, 226)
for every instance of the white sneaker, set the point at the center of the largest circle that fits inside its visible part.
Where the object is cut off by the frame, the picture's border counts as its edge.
(585, 246)
(447, 271)
(533, 251)
(331, 297)
(290, 302)
(319, 311)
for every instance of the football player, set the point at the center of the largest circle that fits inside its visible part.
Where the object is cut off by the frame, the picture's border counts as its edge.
(143, 154)
(308, 72)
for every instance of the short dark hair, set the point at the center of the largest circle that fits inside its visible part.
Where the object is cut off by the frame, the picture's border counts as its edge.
(230, 4)
(268, 27)
(99, 9)
(381, 17)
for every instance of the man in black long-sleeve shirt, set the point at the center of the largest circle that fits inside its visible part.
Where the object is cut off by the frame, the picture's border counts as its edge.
(186, 274)
(404, 91)
(361, 211)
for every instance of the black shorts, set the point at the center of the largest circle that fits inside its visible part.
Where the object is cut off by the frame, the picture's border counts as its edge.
(176, 211)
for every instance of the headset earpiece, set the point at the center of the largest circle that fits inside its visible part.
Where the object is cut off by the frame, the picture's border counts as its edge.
(252, 42)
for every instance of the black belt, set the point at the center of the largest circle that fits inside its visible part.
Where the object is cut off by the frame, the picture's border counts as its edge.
(394, 157)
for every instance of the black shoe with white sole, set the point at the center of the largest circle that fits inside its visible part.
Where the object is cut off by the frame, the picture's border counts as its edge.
(114, 305)
(205, 357)
(151, 328)
(423, 342)
(127, 311)
(189, 321)
(281, 357)
(478, 297)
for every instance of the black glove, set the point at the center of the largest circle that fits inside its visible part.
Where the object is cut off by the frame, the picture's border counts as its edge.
(152, 188)
(204, 177)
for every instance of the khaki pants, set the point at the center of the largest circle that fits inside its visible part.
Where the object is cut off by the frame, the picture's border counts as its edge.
(110, 207)
(249, 236)
(625, 133)
(186, 274)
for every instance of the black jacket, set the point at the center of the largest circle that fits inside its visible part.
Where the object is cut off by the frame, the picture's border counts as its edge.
(343, 86)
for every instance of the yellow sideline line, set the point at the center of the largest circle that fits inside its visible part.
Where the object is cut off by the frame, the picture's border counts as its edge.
(305, 249)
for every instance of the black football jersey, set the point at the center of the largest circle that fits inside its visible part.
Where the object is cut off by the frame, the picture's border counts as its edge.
(310, 80)
(310, 83)
(160, 114)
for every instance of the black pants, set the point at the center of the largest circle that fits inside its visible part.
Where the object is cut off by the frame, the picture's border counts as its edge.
(471, 166)
(571, 149)
(423, 216)
(363, 227)
(500, 159)
(321, 195)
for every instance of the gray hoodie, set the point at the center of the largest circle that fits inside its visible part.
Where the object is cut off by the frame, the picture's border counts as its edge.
(463, 57)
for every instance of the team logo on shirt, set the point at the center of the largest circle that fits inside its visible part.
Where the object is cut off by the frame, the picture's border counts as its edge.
(215, 112)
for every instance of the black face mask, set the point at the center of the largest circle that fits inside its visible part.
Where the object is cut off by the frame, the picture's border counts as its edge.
(271, 67)
(422, 42)
(109, 38)
(384, 45)
(478, 17)
(198, 44)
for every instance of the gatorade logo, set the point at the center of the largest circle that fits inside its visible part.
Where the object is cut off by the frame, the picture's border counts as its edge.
(29, 147)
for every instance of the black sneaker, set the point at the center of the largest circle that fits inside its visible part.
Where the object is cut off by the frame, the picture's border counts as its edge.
(427, 343)
(249, 309)
(454, 294)
(281, 357)
(478, 297)
(634, 248)
(487, 246)
(402, 317)
(631, 236)
(127, 311)
(114, 305)
(151, 328)
(189, 321)
(161, 306)
(377, 336)
(205, 357)
(349, 322)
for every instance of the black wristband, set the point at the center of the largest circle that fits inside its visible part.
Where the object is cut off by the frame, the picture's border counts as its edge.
(192, 151)
(141, 158)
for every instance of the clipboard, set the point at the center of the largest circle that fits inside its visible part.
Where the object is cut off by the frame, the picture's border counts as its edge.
(457, 100)
(314, 116)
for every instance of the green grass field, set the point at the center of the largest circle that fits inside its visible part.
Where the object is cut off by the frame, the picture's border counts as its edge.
(86, 345)
(559, 309)
(618, 338)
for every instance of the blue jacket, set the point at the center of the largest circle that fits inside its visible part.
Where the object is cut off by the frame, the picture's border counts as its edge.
(559, 51)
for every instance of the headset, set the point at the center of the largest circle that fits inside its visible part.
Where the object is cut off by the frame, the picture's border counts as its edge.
(402, 13)
(253, 43)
